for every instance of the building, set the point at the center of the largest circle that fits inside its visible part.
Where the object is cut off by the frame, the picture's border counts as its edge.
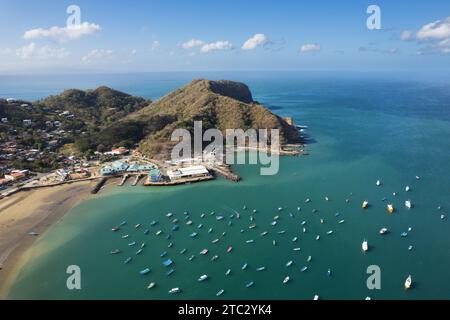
(114, 168)
(188, 172)
(27, 122)
(155, 175)
(11, 100)
(5, 120)
(15, 175)
(118, 151)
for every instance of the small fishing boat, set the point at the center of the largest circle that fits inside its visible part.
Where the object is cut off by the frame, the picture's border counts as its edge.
(286, 280)
(169, 215)
(316, 297)
(294, 239)
(378, 183)
(280, 209)
(308, 200)
(219, 218)
(318, 238)
(174, 290)
(404, 234)
(159, 232)
(132, 243)
(315, 210)
(146, 232)
(282, 232)
(168, 237)
(255, 211)
(193, 234)
(170, 272)
(289, 263)
(126, 236)
(175, 227)
(191, 258)
(341, 222)
(245, 266)
(153, 223)
(304, 230)
(252, 226)
(408, 282)
(215, 241)
(116, 251)
(274, 223)
(183, 251)
(442, 216)
(322, 221)
(228, 272)
(220, 293)
(384, 231)
(145, 271)
(163, 254)
(330, 232)
(309, 259)
(167, 263)
(407, 188)
(291, 215)
(296, 249)
(189, 222)
(214, 258)
(123, 223)
(276, 218)
(274, 242)
(365, 246)
(224, 234)
(408, 204)
(151, 285)
(410, 248)
(250, 284)
(304, 269)
(260, 269)
(390, 208)
(327, 199)
(264, 233)
(250, 241)
(202, 278)
(137, 226)
(115, 229)
(139, 252)
(210, 230)
(175, 221)
(229, 249)
(329, 272)
(365, 205)
(299, 209)
(417, 178)
(128, 260)
(204, 252)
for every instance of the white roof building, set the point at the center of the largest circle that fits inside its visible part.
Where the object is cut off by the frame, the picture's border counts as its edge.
(194, 171)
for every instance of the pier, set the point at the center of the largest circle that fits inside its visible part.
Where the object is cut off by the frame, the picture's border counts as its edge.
(124, 179)
(226, 173)
(136, 180)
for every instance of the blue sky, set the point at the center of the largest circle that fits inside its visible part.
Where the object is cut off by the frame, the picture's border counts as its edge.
(199, 35)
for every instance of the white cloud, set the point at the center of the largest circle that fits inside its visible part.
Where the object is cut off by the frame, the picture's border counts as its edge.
(97, 54)
(406, 35)
(33, 51)
(63, 33)
(5, 51)
(435, 30)
(192, 44)
(214, 46)
(133, 52)
(311, 47)
(156, 45)
(254, 42)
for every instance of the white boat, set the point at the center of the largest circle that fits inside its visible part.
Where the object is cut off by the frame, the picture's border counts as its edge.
(365, 205)
(289, 263)
(264, 233)
(296, 249)
(202, 278)
(365, 246)
(261, 269)
(204, 252)
(221, 292)
(309, 259)
(322, 221)
(378, 183)
(280, 209)
(318, 238)
(169, 215)
(442, 216)
(308, 200)
(250, 241)
(408, 282)
(316, 297)
(294, 239)
(151, 285)
(417, 178)
(286, 280)
(304, 269)
(330, 232)
(274, 242)
(384, 231)
(407, 188)
(327, 199)
(174, 290)
(408, 204)
(228, 272)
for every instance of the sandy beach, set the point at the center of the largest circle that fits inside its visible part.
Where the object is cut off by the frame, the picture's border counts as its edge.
(32, 211)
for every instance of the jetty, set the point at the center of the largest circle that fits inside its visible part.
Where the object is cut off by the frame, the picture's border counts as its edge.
(226, 173)
(124, 179)
(99, 185)
(136, 180)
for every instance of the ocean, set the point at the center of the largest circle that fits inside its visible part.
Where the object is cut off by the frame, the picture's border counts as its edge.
(362, 127)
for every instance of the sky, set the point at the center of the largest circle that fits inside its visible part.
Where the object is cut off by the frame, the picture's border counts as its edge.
(232, 35)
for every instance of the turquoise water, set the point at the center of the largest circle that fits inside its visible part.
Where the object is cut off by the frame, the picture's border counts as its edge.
(362, 129)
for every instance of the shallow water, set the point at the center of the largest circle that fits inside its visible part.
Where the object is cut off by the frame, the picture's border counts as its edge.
(363, 130)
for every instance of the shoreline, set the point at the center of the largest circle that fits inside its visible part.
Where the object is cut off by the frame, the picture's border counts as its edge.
(32, 211)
